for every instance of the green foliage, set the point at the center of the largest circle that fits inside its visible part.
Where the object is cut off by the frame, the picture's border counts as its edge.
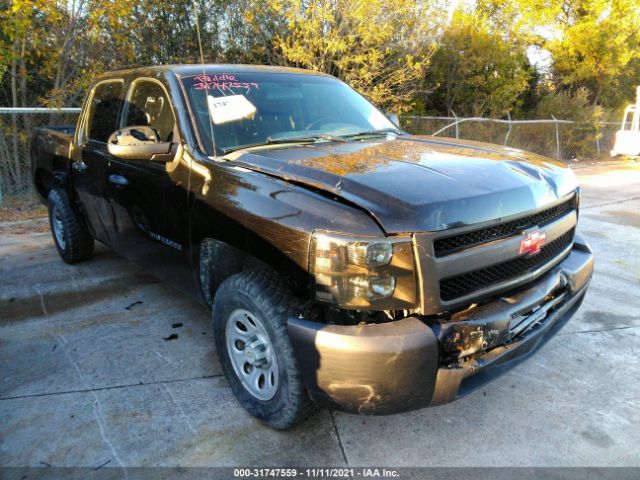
(49, 50)
(578, 138)
(372, 45)
(594, 44)
(576, 107)
(475, 70)
(402, 54)
(599, 39)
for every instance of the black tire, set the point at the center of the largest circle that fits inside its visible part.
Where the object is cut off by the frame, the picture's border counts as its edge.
(263, 294)
(75, 243)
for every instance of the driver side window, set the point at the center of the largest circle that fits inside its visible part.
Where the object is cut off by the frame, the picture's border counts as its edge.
(148, 105)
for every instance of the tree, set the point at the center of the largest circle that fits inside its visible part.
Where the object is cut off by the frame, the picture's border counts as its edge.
(577, 138)
(476, 71)
(53, 48)
(16, 43)
(593, 44)
(598, 41)
(49, 51)
(372, 45)
(164, 31)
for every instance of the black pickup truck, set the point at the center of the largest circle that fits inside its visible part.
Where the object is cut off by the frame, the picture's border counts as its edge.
(345, 262)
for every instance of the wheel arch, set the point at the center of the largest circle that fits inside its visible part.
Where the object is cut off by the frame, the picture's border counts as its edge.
(218, 259)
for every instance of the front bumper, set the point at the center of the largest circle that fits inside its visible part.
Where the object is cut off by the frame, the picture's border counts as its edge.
(403, 365)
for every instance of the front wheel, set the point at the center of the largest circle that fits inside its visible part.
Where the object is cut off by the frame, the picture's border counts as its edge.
(250, 312)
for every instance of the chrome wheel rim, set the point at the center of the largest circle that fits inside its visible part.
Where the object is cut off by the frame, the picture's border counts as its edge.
(252, 354)
(58, 228)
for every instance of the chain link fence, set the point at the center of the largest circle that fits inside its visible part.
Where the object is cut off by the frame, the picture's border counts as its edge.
(555, 138)
(561, 139)
(16, 126)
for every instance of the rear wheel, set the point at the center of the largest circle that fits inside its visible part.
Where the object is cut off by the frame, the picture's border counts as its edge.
(250, 312)
(73, 242)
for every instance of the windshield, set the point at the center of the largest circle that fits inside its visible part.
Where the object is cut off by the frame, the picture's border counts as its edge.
(254, 108)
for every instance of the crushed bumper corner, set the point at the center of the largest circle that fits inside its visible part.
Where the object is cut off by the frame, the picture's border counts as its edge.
(369, 369)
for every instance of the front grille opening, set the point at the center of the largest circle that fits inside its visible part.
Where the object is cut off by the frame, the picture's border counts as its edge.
(467, 283)
(530, 321)
(456, 243)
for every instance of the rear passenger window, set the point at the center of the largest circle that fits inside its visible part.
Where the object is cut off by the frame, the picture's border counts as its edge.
(149, 106)
(104, 110)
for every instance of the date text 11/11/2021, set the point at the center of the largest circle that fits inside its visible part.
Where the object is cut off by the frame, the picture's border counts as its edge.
(319, 472)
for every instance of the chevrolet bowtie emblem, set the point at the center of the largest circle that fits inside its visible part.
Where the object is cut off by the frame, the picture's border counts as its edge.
(531, 244)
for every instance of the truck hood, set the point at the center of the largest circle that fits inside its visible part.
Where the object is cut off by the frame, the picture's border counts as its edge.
(419, 184)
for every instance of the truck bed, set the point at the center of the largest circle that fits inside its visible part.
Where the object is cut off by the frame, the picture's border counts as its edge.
(54, 139)
(50, 152)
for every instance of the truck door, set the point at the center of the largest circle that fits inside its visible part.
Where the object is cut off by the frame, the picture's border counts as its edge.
(149, 198)
(90, 157)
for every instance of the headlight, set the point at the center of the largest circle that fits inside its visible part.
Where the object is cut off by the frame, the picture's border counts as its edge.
(363, 273)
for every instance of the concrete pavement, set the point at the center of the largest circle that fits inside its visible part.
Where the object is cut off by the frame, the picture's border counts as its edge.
(91, 372)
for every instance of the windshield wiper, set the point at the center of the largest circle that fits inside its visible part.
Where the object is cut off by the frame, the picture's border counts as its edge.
(277, 141)
(373, 133)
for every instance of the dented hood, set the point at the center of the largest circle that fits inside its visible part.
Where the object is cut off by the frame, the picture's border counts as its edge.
(420, 184)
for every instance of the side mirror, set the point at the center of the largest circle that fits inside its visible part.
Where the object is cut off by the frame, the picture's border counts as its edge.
(140, 143)
(394, 118)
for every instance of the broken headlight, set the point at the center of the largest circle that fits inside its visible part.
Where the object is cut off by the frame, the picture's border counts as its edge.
(360, 273)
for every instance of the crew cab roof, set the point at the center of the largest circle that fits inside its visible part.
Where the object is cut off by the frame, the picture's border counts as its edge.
(186, 70)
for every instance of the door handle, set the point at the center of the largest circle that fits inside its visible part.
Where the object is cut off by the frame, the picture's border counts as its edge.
(79, 166)
(118, 180)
